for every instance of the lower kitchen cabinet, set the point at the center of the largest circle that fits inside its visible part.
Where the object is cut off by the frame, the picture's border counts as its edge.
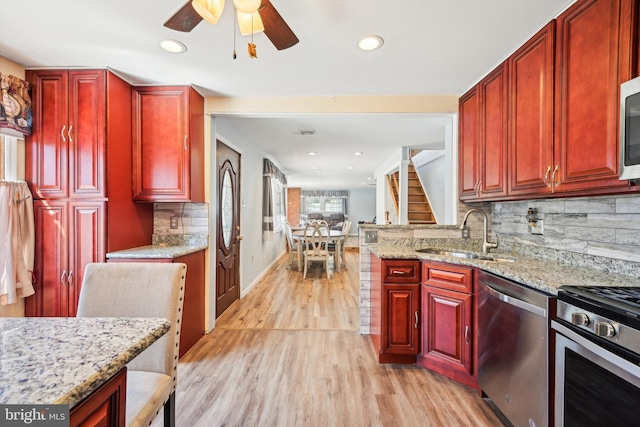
(105, 407)
(449, 339)
(192, 328)
(395, 309)
(69, 235)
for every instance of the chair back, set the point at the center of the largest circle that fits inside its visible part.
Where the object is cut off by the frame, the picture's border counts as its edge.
(139, 290)
(289, 233)
(346, 226)
(316, 238)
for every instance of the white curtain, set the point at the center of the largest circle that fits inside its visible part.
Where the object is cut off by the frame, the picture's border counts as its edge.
(17, 249)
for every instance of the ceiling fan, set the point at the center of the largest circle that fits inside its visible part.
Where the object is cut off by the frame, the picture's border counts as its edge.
(275, 27)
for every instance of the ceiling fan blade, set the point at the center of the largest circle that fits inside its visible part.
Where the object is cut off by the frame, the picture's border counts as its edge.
(185, 19)
(275, 28)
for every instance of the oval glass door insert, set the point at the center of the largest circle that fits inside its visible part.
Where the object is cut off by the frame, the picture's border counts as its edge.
(227, 208)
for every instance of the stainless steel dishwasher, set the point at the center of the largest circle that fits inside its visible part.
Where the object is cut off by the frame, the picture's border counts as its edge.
(513, 349)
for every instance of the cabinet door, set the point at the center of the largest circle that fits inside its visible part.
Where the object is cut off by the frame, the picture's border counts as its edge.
(594, 55)
(161, 155)
(531, 77)
(493, 121)
(50, 261)
(86, 245)
(46, 148)
(447, 339)
(86, 134)
(469, 143)
(401, 307)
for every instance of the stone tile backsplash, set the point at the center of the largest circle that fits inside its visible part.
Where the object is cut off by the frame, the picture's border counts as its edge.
(193, 224)
(604, 226)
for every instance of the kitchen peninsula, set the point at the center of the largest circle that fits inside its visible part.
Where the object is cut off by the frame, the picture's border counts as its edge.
(65, 360)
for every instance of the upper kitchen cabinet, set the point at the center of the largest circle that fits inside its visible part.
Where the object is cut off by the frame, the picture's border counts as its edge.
(483, 138)
(66, 151)
(531, 84)
(168, 144)
(596, 45)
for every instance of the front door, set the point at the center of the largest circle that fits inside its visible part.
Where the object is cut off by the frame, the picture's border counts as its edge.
(227, 228)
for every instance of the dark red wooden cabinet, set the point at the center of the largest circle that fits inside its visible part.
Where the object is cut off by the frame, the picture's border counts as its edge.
(483, 138)
(80, 118)
(395, 311)
(448, 342)
(105, 407)
(168, 144)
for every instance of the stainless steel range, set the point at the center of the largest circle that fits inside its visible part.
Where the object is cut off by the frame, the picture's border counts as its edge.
(597, 378)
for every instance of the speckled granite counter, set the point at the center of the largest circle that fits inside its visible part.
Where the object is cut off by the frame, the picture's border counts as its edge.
(155, 251)
(541, 274)
(63, 360)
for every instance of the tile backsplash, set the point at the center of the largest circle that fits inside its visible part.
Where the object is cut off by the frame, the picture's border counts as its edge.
(192, 224)
(604, 226)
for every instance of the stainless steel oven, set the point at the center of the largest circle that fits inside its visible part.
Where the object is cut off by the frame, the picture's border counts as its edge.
(597, 357)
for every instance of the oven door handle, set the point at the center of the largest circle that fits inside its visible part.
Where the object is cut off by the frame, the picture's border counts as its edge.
(516, 302)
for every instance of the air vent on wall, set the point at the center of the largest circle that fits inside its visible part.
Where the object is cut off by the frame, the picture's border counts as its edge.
(307, 131)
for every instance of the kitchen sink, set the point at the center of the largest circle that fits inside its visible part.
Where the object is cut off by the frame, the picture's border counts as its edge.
(467, 255)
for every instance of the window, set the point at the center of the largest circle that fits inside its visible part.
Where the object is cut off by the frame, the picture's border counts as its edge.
(322, 202)
(279, 215)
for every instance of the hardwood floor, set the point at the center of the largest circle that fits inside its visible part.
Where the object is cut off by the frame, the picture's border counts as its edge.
(290, 354)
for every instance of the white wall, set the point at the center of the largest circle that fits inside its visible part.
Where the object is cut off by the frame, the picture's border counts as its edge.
(256, 255)
(361, 206)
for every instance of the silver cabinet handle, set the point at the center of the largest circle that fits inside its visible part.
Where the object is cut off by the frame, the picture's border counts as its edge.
(69, 133)
(63, 278)
(399, 272)
(70, 278)
(185, 143)
(553, 177)
(466, 334)
(416, 325)
(62, 133)
(546, 177)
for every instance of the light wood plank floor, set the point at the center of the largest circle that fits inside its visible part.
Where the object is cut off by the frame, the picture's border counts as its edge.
(290, 354)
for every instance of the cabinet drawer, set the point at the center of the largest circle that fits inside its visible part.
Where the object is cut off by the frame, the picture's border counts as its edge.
(400, 271)
(447, 276)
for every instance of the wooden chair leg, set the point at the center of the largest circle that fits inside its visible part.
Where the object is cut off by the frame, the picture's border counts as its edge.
(170, 411)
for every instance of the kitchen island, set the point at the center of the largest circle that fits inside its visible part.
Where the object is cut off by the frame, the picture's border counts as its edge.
(64, 360)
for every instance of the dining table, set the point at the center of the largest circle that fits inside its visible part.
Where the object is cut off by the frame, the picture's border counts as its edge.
(335, 236)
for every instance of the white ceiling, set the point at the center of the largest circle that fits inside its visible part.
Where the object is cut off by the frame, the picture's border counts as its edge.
(431, 47)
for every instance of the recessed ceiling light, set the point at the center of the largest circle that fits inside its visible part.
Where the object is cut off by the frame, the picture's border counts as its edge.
(173, 46)
(315, 168)
(358, 153)
(312, 153)
(349, 167)
(369, 43)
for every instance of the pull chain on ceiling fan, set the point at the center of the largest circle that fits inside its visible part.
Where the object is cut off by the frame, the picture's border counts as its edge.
(253, 16)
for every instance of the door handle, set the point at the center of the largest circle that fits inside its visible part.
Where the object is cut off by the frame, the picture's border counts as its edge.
(546, 177)
(239, 237)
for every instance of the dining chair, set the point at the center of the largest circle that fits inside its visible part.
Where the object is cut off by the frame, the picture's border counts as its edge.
(141, 290)
(295, 247)
(346, 225)
(316, 240)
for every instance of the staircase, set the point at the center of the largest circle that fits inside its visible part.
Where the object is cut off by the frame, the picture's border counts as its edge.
(419, 210)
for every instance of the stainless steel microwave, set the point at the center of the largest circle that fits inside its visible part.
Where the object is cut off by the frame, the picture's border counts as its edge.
(630, 130)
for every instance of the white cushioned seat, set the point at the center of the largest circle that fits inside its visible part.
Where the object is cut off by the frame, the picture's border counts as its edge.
(141, 290)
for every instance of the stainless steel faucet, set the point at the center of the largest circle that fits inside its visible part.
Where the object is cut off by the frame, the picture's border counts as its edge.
(486, 245)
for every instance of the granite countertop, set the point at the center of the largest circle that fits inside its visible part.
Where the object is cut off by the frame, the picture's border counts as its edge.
(541, 274)
(64, 359)
(156, 252)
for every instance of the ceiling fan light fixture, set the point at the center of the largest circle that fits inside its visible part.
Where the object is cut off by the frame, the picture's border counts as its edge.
(210, 10)
(250, 23)
(247, 6)
(370, 43)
